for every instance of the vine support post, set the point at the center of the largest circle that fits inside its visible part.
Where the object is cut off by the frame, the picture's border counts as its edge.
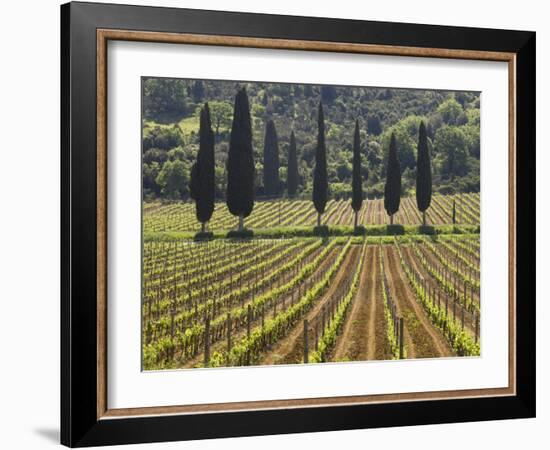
(306, 349)
(248, 320)
(228, 334)
(263, 317)
(316, 335)
(401, 339)
(207, 342)
(454, 309)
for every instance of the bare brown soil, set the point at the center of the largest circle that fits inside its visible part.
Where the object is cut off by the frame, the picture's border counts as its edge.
(239, 333)
(364, 335)
(432, 282)
(289, 350)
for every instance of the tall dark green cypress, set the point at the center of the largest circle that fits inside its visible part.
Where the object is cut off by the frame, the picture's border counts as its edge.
(271, 160)
(392, 189)
(423, 173)
(202, 183)
(292, 172)
(356, 181)
(240, 161)
(320, 183)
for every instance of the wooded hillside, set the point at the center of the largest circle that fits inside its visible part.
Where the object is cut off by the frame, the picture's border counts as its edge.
(171, 117)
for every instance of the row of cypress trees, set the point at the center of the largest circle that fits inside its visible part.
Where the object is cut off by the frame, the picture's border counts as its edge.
(240, 168)
(392, 189)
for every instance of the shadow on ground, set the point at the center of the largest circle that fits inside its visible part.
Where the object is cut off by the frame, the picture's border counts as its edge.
(50, 434)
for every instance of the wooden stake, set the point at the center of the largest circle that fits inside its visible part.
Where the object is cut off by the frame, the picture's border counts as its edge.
(306, 356)
(248, 320)
(401, 339)
(207, 342)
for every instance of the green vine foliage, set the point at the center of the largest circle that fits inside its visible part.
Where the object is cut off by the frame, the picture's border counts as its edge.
(460, 340)
(249, 349)
(330, 333)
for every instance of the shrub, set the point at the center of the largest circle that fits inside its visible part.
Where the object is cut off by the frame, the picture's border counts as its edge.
(203, 236)
(394, 230)
(426, 229)
(321, 230)
(359, 230)
(245, 233)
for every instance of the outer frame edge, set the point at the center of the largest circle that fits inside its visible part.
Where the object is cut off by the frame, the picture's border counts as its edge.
(104, 432)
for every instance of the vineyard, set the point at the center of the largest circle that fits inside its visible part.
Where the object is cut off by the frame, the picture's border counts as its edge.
(180, 216)
(285, 301)
(288, 224)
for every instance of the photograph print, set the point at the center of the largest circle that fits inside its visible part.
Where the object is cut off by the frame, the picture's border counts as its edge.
(303, 224)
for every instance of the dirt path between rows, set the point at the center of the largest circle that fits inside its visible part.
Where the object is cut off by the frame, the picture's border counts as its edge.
(364, 334)
(239, 332)
(289, 350)
(432, 282)
(421, 338)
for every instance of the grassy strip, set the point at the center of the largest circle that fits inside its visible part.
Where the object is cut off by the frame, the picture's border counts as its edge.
(335, 230)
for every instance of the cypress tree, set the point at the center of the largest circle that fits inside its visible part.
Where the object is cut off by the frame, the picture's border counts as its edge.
(202, 184)
(423, 173)
(240, 161)
(392, 189)
(320, 183)
(356, 182)
(292, 176)
(198, 91)
(271, 160)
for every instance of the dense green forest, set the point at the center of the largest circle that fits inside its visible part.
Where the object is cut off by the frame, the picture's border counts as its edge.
(171, 118)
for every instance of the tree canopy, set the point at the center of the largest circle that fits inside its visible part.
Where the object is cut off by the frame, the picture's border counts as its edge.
(320, 183)
(357, 182)
(392, 191)
(171, 120)
(240, 160)
(202, 185)
(423, 173)
(292, 170)
(271, 160)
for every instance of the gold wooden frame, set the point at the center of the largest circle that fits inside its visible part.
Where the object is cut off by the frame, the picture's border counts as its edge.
(104, 35)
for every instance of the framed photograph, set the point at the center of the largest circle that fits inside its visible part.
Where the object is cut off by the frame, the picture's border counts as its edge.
(276, 224)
